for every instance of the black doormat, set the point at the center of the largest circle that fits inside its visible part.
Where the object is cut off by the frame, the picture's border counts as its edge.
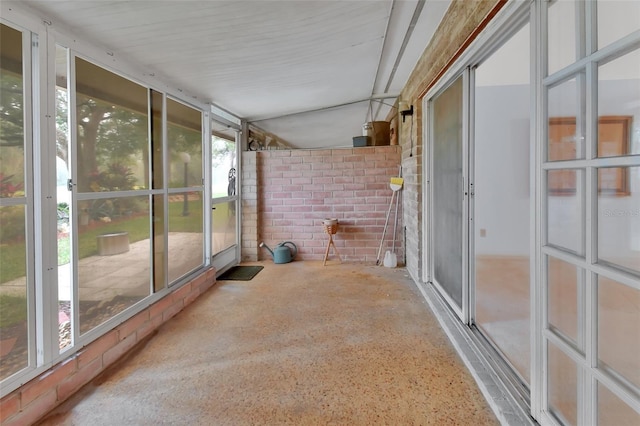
(240, 273)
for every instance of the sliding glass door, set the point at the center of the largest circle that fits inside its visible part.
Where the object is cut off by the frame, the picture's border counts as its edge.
(447, 193)
(480, 198)
(502, 200)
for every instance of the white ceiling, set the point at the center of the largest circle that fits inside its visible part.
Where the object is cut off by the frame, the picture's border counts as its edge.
(304, 70)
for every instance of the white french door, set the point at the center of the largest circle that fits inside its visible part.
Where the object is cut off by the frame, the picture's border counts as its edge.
(590, 194)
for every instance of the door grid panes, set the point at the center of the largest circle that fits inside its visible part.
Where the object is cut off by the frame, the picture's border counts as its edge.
(591, 231)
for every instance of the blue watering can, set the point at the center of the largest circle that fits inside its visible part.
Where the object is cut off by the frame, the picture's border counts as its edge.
(282, 253)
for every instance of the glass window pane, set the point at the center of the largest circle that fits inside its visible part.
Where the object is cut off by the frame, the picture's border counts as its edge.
(616, 19)
(63, 199)
(184, 133)
(561, 42)
(113, 135)
(501, 167)
(65, 336)
(619, 329)
(223, 226)
(114, 253)
(565, 141)
(223, 167)
(62, 127)
(619, 106)
(447, 190)
(565, 194)
(619, 216)
(12, 113)
(156, 139)
(563, 281)
(562, 376)
(186, 235)
(613, 411)
(159, 251)
(13, 291)
(14, 342)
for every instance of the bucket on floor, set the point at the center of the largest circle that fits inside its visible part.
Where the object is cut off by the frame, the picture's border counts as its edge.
(390, 260)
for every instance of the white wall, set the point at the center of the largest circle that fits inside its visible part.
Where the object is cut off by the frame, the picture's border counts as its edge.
(502, 170)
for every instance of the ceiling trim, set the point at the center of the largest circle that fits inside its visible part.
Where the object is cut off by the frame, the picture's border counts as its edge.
(405, 42)
(384, 45)
(324, 108)
(220, 114)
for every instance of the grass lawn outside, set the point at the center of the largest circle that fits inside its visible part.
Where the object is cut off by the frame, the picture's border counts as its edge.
(13, 254)
(13, 309)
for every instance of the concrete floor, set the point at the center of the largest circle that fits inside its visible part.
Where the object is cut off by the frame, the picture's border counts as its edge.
(303, 344)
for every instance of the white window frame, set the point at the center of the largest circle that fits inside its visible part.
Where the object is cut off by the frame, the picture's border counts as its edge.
(40, 38)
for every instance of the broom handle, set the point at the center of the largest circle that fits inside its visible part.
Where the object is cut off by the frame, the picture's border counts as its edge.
(395, 225)
(384, 230)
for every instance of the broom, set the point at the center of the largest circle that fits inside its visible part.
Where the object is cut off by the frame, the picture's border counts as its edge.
(396, 185)
(393, 261)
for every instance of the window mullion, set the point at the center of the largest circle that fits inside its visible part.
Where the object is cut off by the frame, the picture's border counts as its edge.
(73, 222)
(590, 323)
(207, 216)
(37, 264)
(44, 126)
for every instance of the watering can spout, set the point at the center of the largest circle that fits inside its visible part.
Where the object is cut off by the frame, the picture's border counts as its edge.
(262, 244)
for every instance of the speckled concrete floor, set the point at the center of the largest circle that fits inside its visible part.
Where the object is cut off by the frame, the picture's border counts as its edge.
(300, 344)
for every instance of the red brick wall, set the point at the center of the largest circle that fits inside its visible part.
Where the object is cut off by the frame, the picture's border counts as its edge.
(297, 189)
(39, 396)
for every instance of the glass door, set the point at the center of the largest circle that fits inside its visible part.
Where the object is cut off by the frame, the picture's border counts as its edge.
(224, 195)
(502, 200)
(448, 195)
